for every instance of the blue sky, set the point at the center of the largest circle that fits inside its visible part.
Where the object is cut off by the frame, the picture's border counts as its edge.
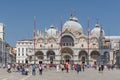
(18, 15)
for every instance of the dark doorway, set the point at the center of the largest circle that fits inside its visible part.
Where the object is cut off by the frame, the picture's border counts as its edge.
(51, 60)
(40, 62)
(83, 59)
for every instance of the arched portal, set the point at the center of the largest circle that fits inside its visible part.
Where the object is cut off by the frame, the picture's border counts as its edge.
(67, 54)
(106, 57)
(67, 41)
(95, 56)
(0, 57)
(50, 55)
(39, 56)
(83, 56)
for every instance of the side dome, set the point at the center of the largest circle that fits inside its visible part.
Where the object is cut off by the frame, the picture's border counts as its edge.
(96, 31)
(73, 26)
(52, 31)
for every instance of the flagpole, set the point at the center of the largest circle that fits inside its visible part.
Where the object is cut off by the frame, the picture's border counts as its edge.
(88, 40)
(34, 39)
(61, 39)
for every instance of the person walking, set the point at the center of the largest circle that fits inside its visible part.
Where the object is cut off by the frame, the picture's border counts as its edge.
(40, 69)
(58, 67)
(62, 67)
(33, 69)
(78, 68)
(9, 68)
(67, 66)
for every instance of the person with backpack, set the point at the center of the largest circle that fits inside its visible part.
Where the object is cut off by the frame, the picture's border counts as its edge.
(40, 69)
(9, 68)
(33, 69)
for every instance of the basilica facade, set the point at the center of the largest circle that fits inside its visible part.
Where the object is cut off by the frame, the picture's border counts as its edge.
(69, 44)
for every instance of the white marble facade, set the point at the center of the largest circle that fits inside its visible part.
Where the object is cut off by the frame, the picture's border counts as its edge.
(73, 45)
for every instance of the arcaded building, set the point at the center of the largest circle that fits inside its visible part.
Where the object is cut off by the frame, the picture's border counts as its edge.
(69, 44)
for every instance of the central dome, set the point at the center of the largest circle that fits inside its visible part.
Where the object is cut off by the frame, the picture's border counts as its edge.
(73, 26)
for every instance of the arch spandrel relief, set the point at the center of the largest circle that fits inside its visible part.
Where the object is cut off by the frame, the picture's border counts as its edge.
(94, 42)
(82, 40)
(51, 40)
(40, 40)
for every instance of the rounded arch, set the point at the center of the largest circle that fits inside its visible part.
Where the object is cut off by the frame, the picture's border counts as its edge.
(69, 34)
(50, 54)
(39, 55)
(82, 56)
(67, 50)
(95, 55)
(67, 40)
(67, 54)
(106, 57)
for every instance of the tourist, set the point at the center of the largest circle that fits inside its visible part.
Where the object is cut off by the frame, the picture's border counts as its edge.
(58, 67)
(33, 69)
(9, 68)
(67, 66)
(40, 69)
(78, 68)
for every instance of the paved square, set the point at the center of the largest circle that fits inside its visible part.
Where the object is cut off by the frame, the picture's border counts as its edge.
(89, 74)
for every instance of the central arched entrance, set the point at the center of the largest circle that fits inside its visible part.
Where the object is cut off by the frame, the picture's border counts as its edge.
(67, 55)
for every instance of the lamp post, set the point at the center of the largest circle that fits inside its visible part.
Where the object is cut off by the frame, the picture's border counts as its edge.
(34, 39)
(2, 55)
(118, 54)
(113, 57)
(101, 60)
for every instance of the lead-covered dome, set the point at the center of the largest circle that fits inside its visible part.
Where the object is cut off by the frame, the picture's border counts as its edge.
(73, 26)
(52, 31)
(96, 31)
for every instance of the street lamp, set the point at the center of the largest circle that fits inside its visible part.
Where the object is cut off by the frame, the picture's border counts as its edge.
(4, 54)
(101, 60)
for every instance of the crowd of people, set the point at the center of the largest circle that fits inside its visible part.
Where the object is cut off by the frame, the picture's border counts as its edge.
(25, 69)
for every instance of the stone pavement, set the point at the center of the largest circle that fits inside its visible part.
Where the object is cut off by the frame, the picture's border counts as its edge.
(89, 74)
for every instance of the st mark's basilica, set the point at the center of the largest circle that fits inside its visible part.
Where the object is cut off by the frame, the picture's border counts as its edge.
(69, 44)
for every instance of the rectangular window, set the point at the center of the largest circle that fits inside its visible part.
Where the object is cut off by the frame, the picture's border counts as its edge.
(26, 50)
(22, 50)
(18, 54)
(18, 61)
(22, 54)
(18, 50)
(22, 61)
